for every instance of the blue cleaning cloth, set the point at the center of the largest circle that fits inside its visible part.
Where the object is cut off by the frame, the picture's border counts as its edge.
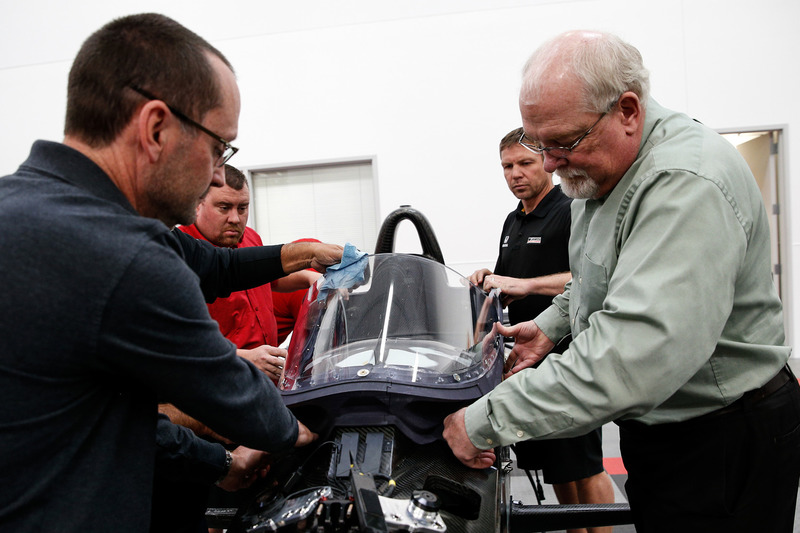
(346, 274)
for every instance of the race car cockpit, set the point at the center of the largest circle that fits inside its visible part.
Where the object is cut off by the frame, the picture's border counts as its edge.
(377, 360)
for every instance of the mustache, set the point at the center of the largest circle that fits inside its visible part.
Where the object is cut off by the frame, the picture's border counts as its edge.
(571, 173)
(577, 183)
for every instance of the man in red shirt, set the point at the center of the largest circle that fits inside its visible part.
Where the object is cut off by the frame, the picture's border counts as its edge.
(245, 317)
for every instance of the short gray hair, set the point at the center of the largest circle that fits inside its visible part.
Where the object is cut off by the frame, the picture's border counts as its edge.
(605, 65)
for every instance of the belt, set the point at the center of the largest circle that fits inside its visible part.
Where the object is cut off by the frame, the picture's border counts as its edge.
(756, 395)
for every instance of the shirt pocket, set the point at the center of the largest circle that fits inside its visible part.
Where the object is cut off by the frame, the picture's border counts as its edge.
(592, 291)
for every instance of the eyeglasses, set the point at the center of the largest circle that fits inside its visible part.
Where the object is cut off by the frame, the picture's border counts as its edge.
(229, 150)
(556, 151)
(562, 151)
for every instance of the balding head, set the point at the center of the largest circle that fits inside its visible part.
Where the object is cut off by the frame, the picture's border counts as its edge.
(601, 64)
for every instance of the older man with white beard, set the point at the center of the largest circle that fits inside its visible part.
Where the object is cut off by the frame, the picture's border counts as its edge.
(677, 326)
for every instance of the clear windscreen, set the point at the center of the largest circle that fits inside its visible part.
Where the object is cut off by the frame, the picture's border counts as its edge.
(408, 320)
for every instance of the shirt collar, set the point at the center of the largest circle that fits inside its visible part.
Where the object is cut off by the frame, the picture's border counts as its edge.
(69, 165)
(542, 208)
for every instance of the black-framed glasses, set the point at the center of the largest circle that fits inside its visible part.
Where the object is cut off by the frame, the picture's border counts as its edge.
(229, 149)
(556, 151)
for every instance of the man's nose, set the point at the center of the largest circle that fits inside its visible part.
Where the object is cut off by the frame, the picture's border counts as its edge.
(551, 163)
(218, 177)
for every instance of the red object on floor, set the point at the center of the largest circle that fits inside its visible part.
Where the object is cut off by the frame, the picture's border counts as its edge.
(614, 466)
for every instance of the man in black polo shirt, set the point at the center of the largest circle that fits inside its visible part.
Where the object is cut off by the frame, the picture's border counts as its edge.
(532, 267)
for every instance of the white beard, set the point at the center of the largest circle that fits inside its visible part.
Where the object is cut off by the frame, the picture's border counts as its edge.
(577, 184)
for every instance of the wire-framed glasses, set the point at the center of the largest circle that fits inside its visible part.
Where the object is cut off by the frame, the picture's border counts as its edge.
(228, 149)
(556, 151)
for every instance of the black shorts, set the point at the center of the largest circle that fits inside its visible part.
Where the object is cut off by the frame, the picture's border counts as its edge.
(563, 460)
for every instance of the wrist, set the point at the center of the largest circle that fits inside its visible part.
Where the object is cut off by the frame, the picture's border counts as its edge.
(296, 256)
(533, 286)
(227, 468)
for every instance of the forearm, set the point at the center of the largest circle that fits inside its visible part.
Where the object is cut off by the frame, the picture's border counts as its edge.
(261, 421)
(296, 256)
(177, 351)
(179, 418)
(225, 270)
(301, 255)
(554, 321)
(550, 285)
(183, 456)
(295, 281)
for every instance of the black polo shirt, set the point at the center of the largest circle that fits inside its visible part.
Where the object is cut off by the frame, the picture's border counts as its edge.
(535, 244)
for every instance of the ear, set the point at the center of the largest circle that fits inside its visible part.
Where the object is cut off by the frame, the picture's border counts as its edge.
(631, 110)
(152, 131)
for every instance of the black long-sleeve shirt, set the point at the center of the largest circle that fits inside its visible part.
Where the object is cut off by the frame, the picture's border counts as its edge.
(100, 318)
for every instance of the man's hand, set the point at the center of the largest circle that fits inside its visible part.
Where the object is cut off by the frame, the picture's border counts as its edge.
(455, 433)
(530, 346)
(268, 359)
(326, 255)
(248, 465)
(319, 256)
(478, 277)
(304, 435)
(510, 288)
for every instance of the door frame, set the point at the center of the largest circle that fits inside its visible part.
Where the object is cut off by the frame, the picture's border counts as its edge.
(782, 188)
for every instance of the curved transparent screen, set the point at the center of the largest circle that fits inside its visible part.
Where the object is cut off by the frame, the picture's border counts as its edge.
(410, 320)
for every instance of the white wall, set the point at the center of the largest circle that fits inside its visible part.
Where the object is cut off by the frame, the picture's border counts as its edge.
(428, 87)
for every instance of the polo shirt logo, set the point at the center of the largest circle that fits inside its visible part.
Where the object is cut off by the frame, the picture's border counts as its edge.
(505, 242)
(534, 240)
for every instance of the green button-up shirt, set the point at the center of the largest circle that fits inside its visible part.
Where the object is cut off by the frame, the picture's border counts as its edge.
(672, 306)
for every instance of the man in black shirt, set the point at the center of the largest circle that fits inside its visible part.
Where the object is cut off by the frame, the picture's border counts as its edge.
(101, 317)
(532, 267)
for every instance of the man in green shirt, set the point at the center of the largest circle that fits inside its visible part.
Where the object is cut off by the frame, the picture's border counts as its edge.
(677, 326)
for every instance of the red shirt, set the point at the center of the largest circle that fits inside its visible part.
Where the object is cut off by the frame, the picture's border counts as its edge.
(244, 317)
(286, 306)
